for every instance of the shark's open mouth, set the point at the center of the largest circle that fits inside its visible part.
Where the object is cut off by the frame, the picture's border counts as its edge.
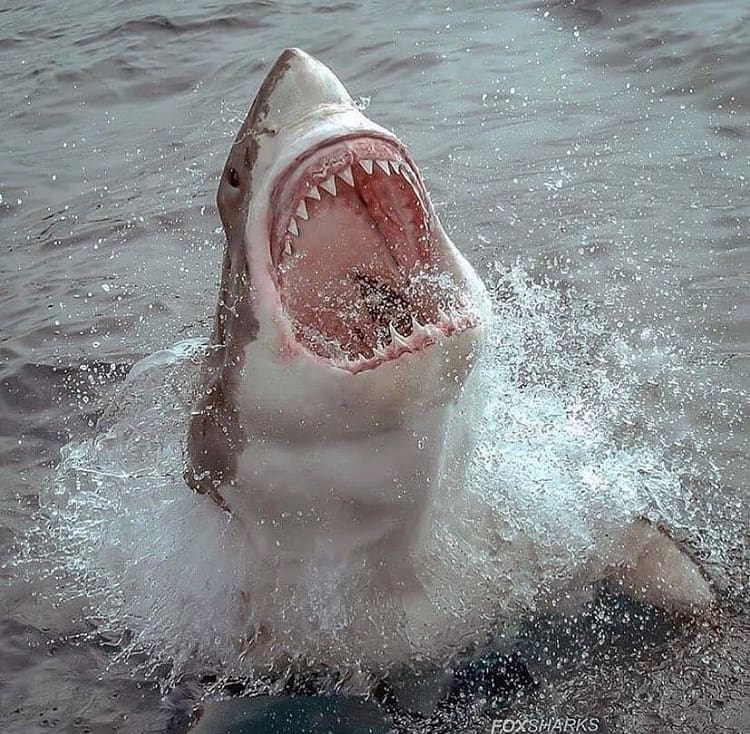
(357, 268)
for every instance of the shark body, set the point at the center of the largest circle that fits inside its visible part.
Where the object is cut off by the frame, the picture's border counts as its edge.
(347, 325)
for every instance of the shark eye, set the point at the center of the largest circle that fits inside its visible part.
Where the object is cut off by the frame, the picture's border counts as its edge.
(234, 178)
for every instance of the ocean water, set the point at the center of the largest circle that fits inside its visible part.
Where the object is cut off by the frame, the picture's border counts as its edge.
(590, 158)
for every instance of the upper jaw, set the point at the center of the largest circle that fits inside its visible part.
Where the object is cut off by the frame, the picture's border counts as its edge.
(330, 167)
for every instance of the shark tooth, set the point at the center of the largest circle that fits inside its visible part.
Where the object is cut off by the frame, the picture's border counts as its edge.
(397, 339)
(302, 211)
(288, 248)
(347, 176)
(417, 328)
(395, 165)
(313, 193)
(329, 185)
(367, 165)
(292, 227)
(383, 165)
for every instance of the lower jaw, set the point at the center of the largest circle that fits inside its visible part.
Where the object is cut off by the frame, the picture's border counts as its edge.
(404, 386)
(308, 398)
(392, 346)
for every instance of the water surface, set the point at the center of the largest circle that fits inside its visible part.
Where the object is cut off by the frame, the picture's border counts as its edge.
(599, 148)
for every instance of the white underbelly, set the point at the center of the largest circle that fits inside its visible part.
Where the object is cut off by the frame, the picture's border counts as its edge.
(355, 499)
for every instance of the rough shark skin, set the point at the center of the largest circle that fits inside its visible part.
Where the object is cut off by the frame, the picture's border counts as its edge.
(323, 437)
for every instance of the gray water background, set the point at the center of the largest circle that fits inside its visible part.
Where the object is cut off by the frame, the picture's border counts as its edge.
(601, 145)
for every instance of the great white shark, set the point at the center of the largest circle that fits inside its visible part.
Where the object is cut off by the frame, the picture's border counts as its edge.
(347, 325)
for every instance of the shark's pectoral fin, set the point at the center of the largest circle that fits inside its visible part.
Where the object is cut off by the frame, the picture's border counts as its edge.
(651, 567)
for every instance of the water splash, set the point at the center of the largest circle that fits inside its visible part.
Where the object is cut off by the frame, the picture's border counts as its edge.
(555, 470)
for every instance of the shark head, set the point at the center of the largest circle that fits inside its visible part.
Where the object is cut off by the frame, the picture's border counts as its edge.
(336, 261)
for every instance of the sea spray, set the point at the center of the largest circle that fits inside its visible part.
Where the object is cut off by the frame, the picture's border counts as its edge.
(543, 469)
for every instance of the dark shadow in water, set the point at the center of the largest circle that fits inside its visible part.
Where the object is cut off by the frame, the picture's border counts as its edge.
(484, 683)
(299, 714)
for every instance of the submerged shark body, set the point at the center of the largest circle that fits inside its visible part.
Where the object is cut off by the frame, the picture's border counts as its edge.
(346, 328)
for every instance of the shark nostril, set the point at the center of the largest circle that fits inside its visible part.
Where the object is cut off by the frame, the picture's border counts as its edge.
(234, 178)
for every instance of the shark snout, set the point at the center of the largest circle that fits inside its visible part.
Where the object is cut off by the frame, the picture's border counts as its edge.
(296, 86)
